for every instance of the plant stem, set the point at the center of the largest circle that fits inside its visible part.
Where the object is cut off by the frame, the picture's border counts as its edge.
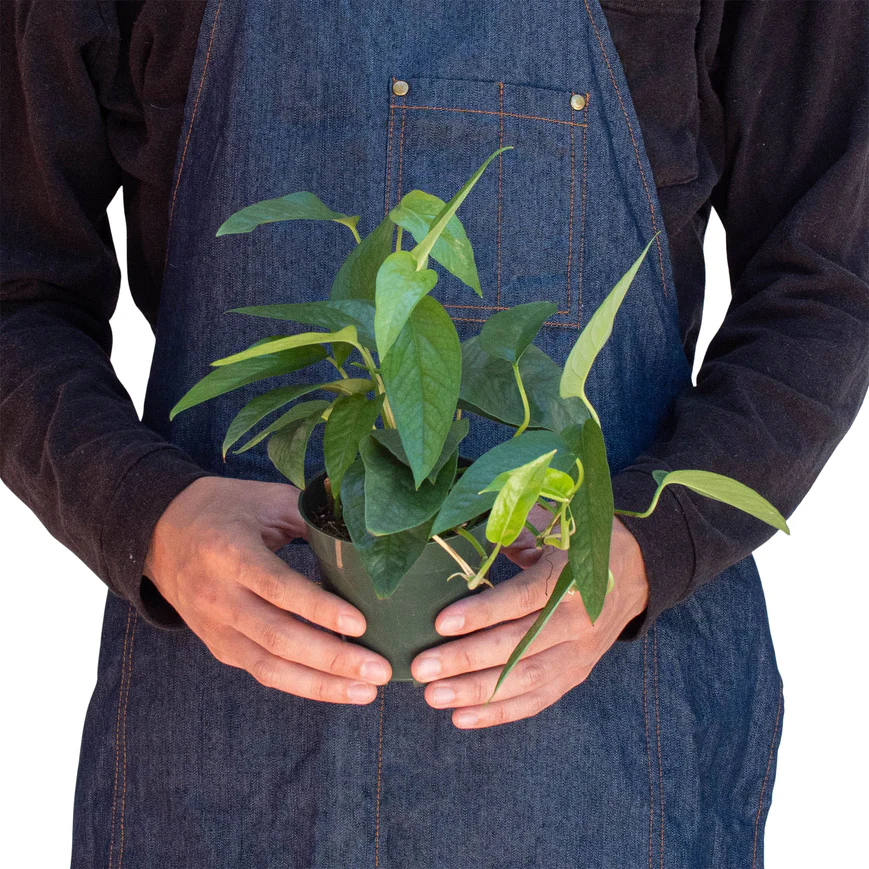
(466, 568)
(398, 239)
(526, 408)
(471, 539)
(355, 233)
(646, 513)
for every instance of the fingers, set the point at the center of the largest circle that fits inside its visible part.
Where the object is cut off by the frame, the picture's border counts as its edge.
(290, 677)
(286, 637)
(269, 577)
(484, 649)
(504, 711)
(524, 593)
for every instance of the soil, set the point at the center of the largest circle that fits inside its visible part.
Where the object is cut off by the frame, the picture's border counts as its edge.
(323, 517)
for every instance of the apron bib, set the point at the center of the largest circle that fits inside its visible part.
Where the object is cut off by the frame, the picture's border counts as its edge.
(664, 757)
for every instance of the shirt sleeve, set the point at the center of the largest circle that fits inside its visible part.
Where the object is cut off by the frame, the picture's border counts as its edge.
(787, 372)
(73, 448)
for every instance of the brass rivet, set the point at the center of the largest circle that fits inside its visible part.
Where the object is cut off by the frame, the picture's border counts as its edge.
(577, 101)
(400, 88)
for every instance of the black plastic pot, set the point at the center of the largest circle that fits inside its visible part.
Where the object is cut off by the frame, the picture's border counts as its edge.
(402, 625)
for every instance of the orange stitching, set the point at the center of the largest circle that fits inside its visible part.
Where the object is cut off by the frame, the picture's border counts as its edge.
(117, 734)
(192, 121)
(636, 148)
(648, 748)
(401, 148)
(506, 114)
(658, 740)
(570, 217)
(766, 776)
(379, 769)
(500, 176)
(126, 699)
(388, 184)
(582, 219)
(482, 320)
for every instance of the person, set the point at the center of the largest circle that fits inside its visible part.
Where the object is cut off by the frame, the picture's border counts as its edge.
(647, 739)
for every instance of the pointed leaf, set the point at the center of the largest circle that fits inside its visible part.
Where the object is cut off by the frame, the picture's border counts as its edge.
(288, 446)
(304, 339)
(350, 420)
(515, 499)
(507, 334)
(391, 439)
(297, 412)
(416, 213)
(295, 206)
(422, 373)
(356, 277)
(595, 334)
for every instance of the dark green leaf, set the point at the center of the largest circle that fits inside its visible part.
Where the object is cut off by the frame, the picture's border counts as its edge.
(386, 559)
(507, 334)
(422, 373)
(303, 339)
(356, 277)
(295, 413)
(231, 377)
(392, 501)
(390, 438)
(295, 206)
(416, 213)
(350, 420)
(287, 447)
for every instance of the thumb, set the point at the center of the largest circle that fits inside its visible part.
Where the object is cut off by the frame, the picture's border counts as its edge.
(280, 519)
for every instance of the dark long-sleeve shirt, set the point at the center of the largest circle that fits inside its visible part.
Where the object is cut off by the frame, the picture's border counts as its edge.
(758, 109)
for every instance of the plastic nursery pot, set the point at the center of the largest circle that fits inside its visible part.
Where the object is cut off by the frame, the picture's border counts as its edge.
(401, 626)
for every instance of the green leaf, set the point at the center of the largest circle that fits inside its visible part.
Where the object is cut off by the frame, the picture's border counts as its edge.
(304, 339)
(331, 314)
(441, 221)
(295, 206)
(356, 277)
(391, 439)
(287, 447)
(350, 420)
(557, 486)
(231, 377)
(592, 509)
(295, 413)
(387, 559)
(595, 334)
(515, 499)
(416, 212)
(724, 489)
(399, 288)
(392, 502)
(562, 587)
(508, 334)
(489, 389)
(464, 501)
(422, 373)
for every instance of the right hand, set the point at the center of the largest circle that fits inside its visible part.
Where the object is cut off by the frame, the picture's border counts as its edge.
(212, 556)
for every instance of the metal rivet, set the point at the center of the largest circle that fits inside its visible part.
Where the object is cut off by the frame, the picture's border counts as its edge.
(577, 101)
(400, 88)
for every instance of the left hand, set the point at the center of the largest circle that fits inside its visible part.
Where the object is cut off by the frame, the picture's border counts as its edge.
(462, 674)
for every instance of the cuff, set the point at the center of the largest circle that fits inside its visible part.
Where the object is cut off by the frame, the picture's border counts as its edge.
(139, 501)
(665, 541)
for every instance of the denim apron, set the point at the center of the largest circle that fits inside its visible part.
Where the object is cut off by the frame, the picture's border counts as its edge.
(665, 756)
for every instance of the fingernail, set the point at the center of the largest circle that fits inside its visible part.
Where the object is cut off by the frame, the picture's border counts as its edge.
(465, 719)
(451, 624)
(361, 692)
(427, 669)
(374, 671)
(348, 623)
(442, 696)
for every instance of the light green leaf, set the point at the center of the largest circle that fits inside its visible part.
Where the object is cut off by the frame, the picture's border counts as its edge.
(287, 448)
(330, 314)
(508, 334)
(441, 221)
(399, 287)
(724, 489)
(416, 212)
(557, 485)
(422, 373)
(387, 559)
(356, 277)
(295, 413)
(515, 499)
(295, 206)
(351, 419)
(347, 334)
(392, 502)
(231, 377)
(391, 439)
(595, 334)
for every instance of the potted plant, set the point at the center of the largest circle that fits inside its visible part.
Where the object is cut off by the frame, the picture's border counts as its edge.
(401, 524)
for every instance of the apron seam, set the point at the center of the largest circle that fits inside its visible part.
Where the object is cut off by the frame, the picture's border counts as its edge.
(634, 142)
(117, 735)
(401, 146)
(388, 182)
(766, 775)
(126, 700)
(648, 748)
(658, 740)
(379, 778)
(582, 215)
(500, 180)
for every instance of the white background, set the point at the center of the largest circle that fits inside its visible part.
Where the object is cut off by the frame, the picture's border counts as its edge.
(815, 582)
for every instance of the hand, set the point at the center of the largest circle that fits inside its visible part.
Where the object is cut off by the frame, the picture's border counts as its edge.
(563, 653)
(212, 556)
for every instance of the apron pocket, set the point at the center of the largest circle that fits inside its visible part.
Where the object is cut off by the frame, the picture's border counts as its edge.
(525, 214)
